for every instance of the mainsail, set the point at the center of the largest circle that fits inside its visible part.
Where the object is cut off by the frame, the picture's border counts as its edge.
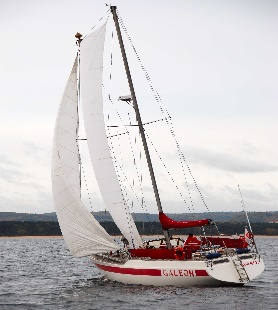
(82, 232)
(91, 69)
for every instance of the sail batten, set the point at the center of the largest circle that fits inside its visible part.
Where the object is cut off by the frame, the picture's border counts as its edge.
(81, 231)
(91, 69)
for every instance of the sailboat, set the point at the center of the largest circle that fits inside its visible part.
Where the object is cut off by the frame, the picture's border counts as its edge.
(160, 261)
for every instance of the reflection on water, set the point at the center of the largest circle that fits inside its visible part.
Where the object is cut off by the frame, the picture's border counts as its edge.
(42, 274)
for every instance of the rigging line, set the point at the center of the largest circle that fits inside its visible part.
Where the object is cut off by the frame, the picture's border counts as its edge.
(133, 181)
(86, 186)
(109, 12)
(110, 78)
(114, 126)
(116, 26)
(125, 201)
(136, 169)
(172, 179)
(132, 126)
(156, 95)
(168, 118)
(78, 42)
(144, 207)
(81, 168)
(119, 164)
(138, 176)
(135, 125)
(64, 130)
(141, 200)
(123, 191)
(127, 132)
(119, 134)
(244, 209)
(249, 224)
(111, 65)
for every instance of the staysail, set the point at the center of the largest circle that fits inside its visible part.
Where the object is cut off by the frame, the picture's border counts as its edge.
(82, 232)
(91, 68)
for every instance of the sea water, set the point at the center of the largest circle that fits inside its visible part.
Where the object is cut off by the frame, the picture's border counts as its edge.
(42, 274)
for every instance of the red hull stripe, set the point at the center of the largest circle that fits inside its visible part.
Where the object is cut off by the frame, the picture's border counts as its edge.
(138, 272)
(143, 272)
(201, 273)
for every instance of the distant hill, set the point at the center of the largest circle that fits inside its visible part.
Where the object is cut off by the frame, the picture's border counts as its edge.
(30, 217)
(50, 228)
(102, 216)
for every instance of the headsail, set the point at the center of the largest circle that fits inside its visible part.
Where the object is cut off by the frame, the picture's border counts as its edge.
(82, 232)
(91, 68)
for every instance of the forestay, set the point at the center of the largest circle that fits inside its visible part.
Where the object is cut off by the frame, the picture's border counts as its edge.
(91, 69)
(82, 232)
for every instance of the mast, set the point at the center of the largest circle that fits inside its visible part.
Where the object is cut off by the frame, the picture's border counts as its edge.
(138, 117)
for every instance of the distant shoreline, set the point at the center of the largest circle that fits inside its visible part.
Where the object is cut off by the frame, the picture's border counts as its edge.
(31, 237)
(60, 237)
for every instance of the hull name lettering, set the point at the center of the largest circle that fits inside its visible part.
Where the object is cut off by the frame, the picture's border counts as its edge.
(178, 273)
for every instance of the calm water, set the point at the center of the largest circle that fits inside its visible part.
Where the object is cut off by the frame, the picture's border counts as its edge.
(42, 274)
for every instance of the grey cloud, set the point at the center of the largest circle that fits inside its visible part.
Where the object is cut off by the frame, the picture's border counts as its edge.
(4, 160)
(228, 199)
(9, 204)
(45, 197)
(18, 202)
(31, 148)
(15, 176)
(227, 162)
(33, 185)
(10, 175)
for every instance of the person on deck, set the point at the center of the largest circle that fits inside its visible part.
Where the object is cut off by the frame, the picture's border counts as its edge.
(192, 242)
(125, 242)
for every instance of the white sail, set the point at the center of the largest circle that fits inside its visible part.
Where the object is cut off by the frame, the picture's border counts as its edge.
(82, 232)
(91, 68)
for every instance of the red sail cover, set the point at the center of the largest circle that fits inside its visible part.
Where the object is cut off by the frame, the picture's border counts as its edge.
(168, 223)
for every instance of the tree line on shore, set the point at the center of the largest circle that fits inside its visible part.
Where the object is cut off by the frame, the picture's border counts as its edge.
(50, 228)
(104, 216)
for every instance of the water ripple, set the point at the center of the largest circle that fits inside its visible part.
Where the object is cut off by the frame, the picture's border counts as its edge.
(42, 274)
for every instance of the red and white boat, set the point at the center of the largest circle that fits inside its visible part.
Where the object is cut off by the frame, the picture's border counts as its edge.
(225, 270)
(182, 265)
(163, 261)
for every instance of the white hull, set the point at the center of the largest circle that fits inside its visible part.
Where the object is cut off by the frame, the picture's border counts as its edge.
(220, 271)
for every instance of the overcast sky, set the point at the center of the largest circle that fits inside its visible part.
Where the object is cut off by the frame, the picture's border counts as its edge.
(214, 63)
